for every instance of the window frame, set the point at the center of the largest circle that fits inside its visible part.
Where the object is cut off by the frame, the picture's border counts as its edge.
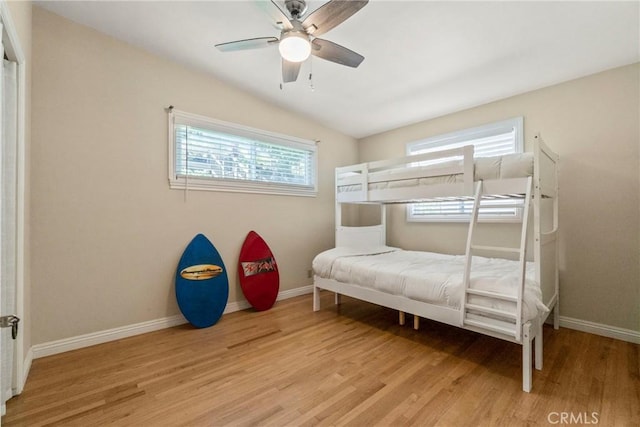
(445, 141)
(190, 182)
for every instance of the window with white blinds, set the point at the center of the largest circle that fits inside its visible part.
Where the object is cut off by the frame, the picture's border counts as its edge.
(207, 154)
(494, 139)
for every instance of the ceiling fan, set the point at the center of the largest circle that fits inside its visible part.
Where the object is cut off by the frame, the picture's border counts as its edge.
(298, 36)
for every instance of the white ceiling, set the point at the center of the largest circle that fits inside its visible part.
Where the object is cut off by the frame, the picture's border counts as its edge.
(423, 59)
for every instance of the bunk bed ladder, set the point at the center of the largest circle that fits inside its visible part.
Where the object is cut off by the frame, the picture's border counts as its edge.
(486, 318)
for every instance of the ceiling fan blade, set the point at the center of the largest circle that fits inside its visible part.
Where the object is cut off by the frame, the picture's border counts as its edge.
(330, 15)
(290, 71)
(272, 9)
(247, 44)
(335, 53)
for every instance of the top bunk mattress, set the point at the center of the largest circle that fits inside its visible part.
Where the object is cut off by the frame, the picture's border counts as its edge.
(518, 165)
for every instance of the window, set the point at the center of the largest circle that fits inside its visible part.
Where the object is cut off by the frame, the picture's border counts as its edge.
(207, 154)
(494, 139)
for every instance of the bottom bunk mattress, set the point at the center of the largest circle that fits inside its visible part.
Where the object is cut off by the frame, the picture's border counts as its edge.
(431, 277)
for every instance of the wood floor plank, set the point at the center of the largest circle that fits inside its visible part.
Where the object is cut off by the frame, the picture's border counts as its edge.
(346, 365)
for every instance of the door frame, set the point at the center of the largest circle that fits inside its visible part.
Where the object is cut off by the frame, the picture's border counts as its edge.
(14, 52)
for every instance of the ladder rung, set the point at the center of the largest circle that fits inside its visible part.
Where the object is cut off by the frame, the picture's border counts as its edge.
(491, 327)
(490, 294)
(496, 248)
(490, 310)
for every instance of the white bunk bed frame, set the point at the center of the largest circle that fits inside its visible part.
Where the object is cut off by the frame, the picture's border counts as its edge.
(543, 185)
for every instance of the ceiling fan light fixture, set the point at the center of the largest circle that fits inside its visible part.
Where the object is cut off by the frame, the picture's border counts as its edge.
(294, 46)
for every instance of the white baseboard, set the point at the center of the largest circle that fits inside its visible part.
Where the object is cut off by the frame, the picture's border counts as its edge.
(81, 341)
(600, 329)
(304, 290)
(243, 305)
(87, 340)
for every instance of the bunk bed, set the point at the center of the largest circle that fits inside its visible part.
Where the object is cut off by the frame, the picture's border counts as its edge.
(508, 295)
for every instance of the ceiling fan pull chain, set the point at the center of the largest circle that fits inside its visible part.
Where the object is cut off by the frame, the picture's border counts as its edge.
(313, 89)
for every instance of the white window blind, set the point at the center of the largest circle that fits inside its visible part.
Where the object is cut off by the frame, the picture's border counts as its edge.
(212, 155)
(494, 139)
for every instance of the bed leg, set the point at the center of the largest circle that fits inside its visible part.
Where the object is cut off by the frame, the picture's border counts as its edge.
(416, 322)
(526, 365)
(527, 352)
(401, 318)
(539, 346)
(316, 298)
(338, 300)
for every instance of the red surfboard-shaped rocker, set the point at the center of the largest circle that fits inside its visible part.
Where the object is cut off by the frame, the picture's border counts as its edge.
(258, 272)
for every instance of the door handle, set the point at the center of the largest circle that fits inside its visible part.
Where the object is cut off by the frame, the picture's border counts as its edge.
(10, 322)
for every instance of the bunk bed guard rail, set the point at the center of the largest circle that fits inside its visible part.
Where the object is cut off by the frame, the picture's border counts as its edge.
(356, 179)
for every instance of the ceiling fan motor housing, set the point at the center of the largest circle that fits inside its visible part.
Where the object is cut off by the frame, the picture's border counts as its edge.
(296, 8)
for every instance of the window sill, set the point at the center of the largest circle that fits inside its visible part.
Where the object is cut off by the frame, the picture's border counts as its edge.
(241, 187)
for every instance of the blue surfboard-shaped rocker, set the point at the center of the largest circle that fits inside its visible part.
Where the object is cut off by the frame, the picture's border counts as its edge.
(202, 285)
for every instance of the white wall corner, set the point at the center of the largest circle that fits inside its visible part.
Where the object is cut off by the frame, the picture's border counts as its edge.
(26, 367)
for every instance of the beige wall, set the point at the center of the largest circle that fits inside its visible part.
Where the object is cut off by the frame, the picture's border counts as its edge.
(593, 123)
(21, 16)
(107, 230)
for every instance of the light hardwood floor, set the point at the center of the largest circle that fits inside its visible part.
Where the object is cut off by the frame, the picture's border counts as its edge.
(352, 365)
